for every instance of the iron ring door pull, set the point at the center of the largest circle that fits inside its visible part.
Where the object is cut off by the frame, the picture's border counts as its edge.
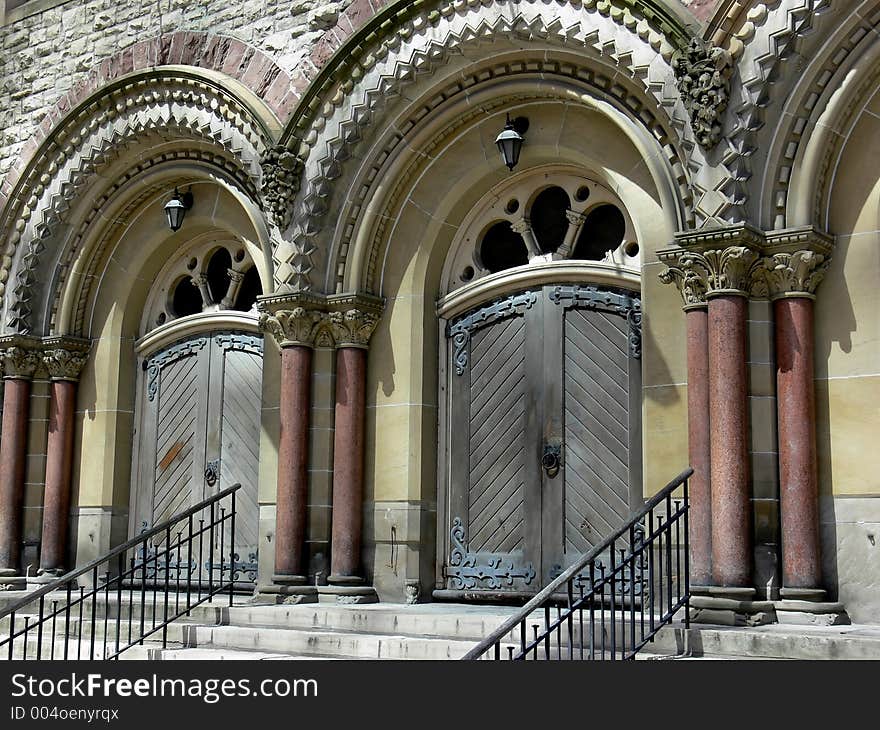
(551, 460)
(212, 473)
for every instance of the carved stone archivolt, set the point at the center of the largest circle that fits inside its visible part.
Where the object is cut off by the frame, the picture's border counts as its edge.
(773, 265)
(314, 321)
(703, 73)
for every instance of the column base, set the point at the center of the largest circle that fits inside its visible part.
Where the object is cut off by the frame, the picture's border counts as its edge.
(729, 606)
(348, 594)
(808, 607)
(11, 581)
(285, 589)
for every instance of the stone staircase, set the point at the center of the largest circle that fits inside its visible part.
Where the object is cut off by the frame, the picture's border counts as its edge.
(440, 631)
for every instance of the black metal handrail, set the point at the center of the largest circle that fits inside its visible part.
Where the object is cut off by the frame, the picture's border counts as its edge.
(169, 560)
(626, 601)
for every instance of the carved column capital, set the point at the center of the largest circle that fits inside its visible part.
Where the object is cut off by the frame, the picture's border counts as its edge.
(690, 274)
(64, 357)
(353, 319)
(19, 356)
(796, 274)
(295, 320)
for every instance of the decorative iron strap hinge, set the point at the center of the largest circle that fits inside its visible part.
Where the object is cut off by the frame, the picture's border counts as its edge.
(464, 569)
(605, 300)
(461, 331)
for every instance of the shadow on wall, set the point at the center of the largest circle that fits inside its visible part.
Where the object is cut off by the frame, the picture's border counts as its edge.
(836, 328)
(660, 370)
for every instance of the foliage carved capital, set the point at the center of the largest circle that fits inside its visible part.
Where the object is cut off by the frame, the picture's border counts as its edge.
(64, 358)
(796, 274)
(20, 357)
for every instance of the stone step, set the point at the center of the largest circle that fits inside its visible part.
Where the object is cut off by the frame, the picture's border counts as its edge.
(322, 643)
(774, 641)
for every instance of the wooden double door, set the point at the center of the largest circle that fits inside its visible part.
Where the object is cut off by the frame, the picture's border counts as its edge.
(199, 433)
(543, 434)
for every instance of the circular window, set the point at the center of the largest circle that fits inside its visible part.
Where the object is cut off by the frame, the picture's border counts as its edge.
(603, 231)
(502, 248)
(549, 222)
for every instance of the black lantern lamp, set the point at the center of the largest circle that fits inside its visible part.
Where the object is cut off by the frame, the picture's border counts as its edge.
(510, 141)
(175, 209)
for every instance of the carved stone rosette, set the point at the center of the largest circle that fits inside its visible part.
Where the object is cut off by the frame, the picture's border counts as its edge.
(20, 357)
(703, 73)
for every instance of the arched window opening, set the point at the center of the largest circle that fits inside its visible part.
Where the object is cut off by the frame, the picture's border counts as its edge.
(250, 289)
(548, 219)
(218, 275)
(185, 300)
(603, 231)
(502, 248)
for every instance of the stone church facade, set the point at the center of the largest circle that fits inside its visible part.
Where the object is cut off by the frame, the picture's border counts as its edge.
(436, 377)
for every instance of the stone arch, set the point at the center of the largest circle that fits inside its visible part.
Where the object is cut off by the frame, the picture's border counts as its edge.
(822, 99)
(761, 37)
(139, 121)
(331, 122)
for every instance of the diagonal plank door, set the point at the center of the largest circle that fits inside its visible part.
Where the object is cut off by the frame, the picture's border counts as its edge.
(555, 370)
(199, 433)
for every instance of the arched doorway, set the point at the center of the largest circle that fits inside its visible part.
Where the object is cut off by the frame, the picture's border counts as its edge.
(541, 454)
(199, 397)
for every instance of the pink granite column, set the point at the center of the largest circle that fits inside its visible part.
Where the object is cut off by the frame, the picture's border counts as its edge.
(697, 320)
(348, 466)
(728, 405)
(293, 454)
(798, 488)
(59, 459)
(13, 451)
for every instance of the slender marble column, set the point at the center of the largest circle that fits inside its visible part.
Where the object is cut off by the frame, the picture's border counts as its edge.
(19, 364)
(348, 465)
(728, 404)
(293, 454)
(697, 320)
(59, 458)
(64, 359)
(798, 482)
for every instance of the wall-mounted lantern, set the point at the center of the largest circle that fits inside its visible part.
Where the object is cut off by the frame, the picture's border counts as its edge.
(510, 141)
(175, 209)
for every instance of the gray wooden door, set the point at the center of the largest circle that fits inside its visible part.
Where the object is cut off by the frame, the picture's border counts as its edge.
(199, 433)
(544, 442)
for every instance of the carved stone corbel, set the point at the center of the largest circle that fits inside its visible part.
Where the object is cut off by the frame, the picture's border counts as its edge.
(703, 73)
(281, 174)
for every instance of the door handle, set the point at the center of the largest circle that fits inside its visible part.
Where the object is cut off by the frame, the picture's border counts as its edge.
(551, 459)
(212, 473)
